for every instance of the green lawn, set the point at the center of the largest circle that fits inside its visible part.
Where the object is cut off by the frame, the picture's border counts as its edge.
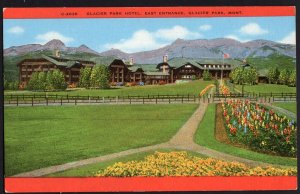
(266, 88)
(91, 169)
(193, 88)
(37, 137)
(205, 137)
(290, 106)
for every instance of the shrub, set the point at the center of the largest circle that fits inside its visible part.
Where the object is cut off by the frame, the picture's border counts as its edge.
(206, 75)
(161, 82)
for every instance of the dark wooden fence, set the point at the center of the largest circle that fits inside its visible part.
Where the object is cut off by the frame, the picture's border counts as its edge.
(41, 99)
(56, 99)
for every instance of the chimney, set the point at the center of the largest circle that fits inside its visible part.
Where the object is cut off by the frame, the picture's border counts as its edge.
(165, 58)
(131, 61)
(57, 53)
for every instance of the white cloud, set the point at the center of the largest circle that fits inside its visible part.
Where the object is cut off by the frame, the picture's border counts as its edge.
(289, 39)
(176, 32)
(16, 30)
(205, 27)
(252, 29)
(44, 38)
(143, 40)
(234, 37)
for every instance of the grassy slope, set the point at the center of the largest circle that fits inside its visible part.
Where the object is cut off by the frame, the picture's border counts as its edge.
(90, 170)
(267, 88)
(205, 136)
(290, 106)
(193, 88)
(43, 136)
(274, 60)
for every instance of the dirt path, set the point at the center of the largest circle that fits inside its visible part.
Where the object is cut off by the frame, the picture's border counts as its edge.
(183, 140)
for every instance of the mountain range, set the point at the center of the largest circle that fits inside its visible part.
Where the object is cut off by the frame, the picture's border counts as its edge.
(200, 48)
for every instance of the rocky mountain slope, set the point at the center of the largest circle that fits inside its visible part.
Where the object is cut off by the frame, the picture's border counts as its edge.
(200, 48)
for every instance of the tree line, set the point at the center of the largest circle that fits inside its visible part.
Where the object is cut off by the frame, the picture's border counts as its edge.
(241, 75)
(249, 75)
(96, 77)
(285, 76)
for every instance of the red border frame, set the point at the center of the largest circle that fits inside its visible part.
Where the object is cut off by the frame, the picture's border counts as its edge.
(246, 11)
(149, 183)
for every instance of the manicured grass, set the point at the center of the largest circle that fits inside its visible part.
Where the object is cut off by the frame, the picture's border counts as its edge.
(290, 106)
(192, 88)
(37, 137)
(90, 170)
(205, 137)
(267, 88)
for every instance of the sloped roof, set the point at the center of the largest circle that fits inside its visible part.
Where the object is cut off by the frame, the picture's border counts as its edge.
(66, 63)
(134, 68)
(156, 73)
(178, 62)
(52, 60)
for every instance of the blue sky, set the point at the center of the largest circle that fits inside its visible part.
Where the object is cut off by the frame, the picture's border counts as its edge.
(140, 34)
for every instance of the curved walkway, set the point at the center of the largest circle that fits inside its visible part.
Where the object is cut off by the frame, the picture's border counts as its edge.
(183, 140)
(283, 111)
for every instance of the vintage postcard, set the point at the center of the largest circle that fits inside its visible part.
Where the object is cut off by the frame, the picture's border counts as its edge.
(150, 99)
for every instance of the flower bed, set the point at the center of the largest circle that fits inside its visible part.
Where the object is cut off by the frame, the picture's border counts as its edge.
(224, 90)
(206, 89)
(183, 164)
(260, 128)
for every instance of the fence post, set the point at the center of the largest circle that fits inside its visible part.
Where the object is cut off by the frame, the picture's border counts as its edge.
(116, 99)
(143, 100)
(181, 99)
(68, 97)
(60, 101)
(23, 96)
(129, 100)
(17, 101)
(31, 101)
(188, 97)
(46, 101)
(103, 99)
(169, 100)
(194, 98)
(75, 101)
(156, 100)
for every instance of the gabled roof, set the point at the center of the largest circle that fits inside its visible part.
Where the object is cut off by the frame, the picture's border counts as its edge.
(179, 62)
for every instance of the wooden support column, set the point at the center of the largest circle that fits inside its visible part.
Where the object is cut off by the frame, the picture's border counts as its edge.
(26, 72)
(133, 77)
(70, 76)
(141, 77)
(122, 75)
(172, 80)
(118, 74)
(20, 73)
(113, 76)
